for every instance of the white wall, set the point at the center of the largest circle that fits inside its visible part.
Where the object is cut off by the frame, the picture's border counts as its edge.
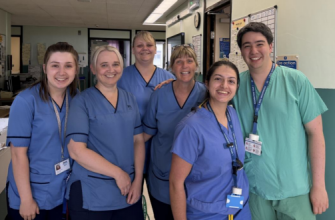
(304, 28)
(221, 31)
(209, 3)
(51, 35)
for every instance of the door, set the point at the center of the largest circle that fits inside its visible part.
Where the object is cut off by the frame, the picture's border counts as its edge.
(15, 51)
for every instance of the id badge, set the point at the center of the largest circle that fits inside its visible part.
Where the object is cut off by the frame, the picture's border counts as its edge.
(235, 201)
(62, 166)
(254, 147)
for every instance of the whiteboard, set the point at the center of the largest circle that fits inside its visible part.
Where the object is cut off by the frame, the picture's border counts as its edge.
(196, 41)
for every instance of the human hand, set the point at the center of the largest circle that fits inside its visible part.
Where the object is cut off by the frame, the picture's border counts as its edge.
(319, 199)
(134, 192)
(163, 83)
(29, 209)
(123, 182)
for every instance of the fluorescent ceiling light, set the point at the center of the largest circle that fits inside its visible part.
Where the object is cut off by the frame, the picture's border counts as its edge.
(154, 24)
(159, 11)
(152, 18)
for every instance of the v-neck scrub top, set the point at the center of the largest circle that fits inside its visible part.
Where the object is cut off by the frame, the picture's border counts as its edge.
(132, 81)
(109, 131)
(33, 124)
(161, 118)
(199, 141)
(290, 101)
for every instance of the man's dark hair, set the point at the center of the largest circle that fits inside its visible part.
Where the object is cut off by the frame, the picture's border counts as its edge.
(255, 27)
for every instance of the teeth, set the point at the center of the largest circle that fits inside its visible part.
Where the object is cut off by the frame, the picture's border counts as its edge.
(110, 76)
(222, 92)
(60, 79)
(185, 72)
(255, 58)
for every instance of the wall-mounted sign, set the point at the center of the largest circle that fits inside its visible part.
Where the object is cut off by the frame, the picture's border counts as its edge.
(290, 61)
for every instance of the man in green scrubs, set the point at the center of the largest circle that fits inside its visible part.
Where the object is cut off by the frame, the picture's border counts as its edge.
(288, 123)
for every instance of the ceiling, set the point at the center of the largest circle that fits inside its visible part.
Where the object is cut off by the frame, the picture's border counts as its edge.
(112, 14)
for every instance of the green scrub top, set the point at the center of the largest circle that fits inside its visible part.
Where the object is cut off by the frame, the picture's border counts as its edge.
(290, 101)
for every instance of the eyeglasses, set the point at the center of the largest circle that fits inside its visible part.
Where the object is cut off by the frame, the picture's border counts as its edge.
(183, 45)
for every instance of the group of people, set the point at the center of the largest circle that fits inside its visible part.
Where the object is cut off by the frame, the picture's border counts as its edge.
(235, 147)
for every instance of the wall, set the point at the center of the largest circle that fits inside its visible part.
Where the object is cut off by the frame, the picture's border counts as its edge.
(209, 3)
(221, 31)
(50, 35)
(307, 32)
(5, 28)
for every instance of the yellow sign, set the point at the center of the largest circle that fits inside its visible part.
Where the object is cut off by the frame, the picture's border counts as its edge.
(238, 24)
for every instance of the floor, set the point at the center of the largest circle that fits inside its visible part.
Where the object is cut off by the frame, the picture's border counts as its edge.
(149, 208)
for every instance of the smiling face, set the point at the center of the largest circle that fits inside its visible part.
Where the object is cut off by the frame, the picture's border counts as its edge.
(222, 85)
(60, 70)
(144, 50)
(256, 51)
(108, 69)
(184, 68)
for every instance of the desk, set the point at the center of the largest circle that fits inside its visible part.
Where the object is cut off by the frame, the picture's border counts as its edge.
(4, 112)
(5, 158)
(6, 100)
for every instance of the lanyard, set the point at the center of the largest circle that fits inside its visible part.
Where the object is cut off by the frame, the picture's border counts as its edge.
(257, 105)
(236, 164)
(59, 122)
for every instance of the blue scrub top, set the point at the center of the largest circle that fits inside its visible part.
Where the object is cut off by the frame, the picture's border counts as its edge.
(109, 131)
(132, 81)
(199, 141)
(33, 124)
(161, 118)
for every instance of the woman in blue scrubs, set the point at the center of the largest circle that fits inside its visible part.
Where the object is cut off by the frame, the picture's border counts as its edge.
(105, 140)
(141, 78)
(36, 130)
(207, 180)
(166, 108)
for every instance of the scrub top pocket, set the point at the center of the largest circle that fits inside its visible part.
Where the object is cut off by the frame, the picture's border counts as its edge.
(104, 192)
(40, 186)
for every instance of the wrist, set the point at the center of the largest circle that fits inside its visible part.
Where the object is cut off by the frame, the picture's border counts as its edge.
(319, 184)
(26, 199)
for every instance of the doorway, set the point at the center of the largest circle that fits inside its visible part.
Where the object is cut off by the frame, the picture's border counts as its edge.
(217, 31)
(16, 54)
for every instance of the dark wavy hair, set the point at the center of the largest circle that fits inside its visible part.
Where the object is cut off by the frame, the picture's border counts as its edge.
(58, 47)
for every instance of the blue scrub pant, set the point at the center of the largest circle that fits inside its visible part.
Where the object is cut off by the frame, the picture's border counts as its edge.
(162, 211)
(53, 214)
(75, 203)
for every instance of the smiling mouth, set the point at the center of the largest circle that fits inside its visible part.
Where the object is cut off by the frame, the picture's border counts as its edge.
(256, 58)
(223, 92)
(185, 73)
(61, 79)
(110, 76)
